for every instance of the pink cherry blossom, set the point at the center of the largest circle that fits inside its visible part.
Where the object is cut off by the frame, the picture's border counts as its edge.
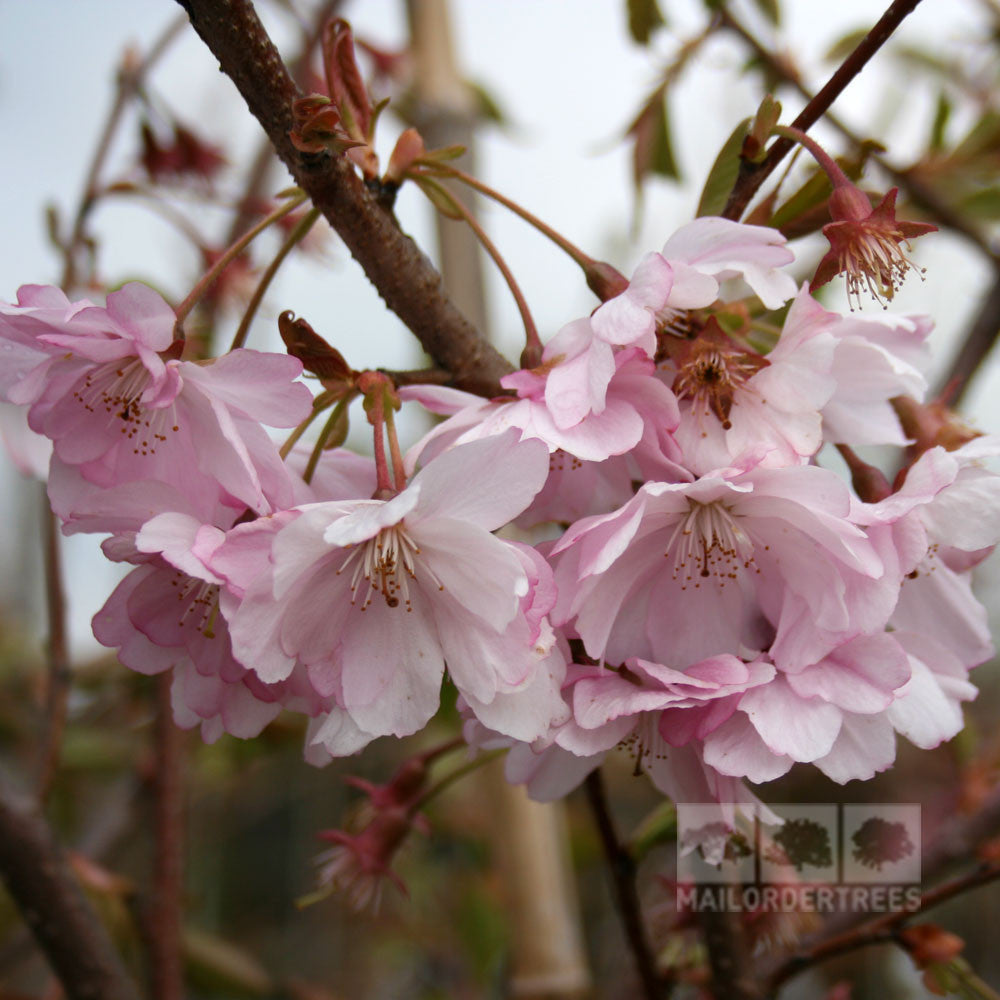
(875, 358)
(733, 401)
(105, 384)
(743, 559)
(373, 596)
(687, 273)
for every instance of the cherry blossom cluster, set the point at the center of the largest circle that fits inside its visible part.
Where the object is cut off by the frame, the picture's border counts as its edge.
(709, 595)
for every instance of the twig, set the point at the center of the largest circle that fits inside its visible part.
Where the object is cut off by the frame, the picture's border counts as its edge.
(57, 654)
(299, 233)
(166, 966)
(977, 344)
(233, 251)
(728, 956)
(622, 868)
(404, 277)
(885, 928)
(751, 176)
(130, 79)
(54, 907)
(532, 354)
(918, 192)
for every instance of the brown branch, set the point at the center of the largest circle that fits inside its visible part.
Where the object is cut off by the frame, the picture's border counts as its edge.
(621, 865)
(976, 346)
(883, 929)
(54, 907)
(57, 654)
(917, 191)
(403, 276)
(751, 176)
(728, 956)
(166, 966)
(957, 841)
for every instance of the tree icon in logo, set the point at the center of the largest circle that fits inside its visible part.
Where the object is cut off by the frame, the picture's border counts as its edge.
(878, 841)
(798, 843)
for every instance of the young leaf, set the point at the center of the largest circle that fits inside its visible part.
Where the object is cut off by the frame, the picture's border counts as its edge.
(770, 10)
(653, 151)
(440, 198)
(942, 114)
(644, 17)
(723, 174)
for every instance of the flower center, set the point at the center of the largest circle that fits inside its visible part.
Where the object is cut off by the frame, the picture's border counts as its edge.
(199, 602)
(116, 388)
(710, 374)
(708, 541)
(644, 742)
(387, 563)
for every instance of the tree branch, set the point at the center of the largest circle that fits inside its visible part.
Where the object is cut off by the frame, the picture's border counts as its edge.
(404, 277)
(976, 346)
(751, 176)
(918, 192)
(55, 908)
(885, 928)
(166, 965)
(622, 868)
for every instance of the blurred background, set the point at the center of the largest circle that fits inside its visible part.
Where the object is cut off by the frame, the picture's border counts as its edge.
(552, 97)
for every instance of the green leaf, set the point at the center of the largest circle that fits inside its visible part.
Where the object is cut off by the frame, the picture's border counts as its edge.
(644, 17)
(983, 204)
(942, 115)
(653, 152)
(815, 191)
(845, 45)
(659, 827)
(224, 968)
(723, 173)
(770, 10)
(487, 106)
(983, 137)
(439, 197)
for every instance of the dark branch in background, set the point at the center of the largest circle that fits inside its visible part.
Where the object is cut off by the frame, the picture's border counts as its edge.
(916, 190)
(130, 80)
(166, 963)
(622, 867)
(753, 175)
(55, 908)
(978, 343)
(57, 654)
(884, 929)
(729, 956)
(955, 843)
(404, 277)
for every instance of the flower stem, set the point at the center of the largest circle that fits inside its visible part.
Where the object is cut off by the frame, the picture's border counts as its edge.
(376, 416)
(320, 403)
(532, 355)
(398, 472)
(324, 435)
(830, 166)
(560, 241)
(211, 275)
(460, 772)
(294, 237)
